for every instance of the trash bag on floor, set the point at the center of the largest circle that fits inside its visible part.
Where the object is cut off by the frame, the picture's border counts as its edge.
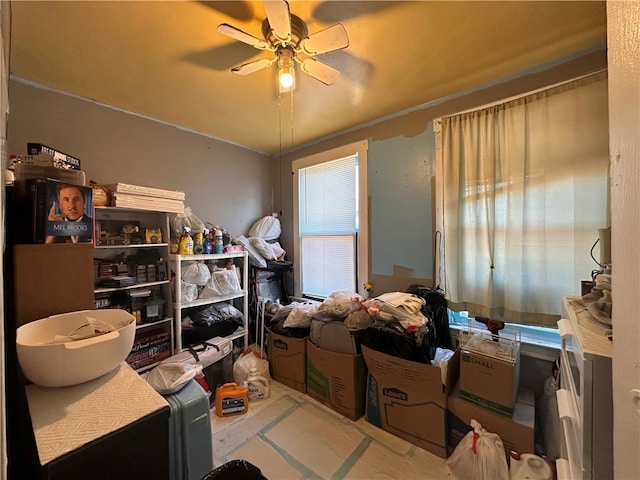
(235, 470)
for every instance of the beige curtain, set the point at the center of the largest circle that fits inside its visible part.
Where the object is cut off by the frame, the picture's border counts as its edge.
(524, 191)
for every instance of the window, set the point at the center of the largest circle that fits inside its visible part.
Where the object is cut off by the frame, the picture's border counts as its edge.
(330, 222)
(523, 191)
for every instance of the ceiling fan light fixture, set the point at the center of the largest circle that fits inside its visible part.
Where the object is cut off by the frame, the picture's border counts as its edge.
(285, 68)
(286, 77)
(286, 36)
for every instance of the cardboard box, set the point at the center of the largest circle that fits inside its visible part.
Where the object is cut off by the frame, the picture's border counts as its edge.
(288, 360)
(489, 381)
(517, 432)
(336, 379)
(409, 399)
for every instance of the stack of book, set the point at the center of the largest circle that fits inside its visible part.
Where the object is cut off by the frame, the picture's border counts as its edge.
(146, 198)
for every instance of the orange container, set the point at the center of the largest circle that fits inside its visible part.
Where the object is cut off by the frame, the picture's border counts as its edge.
(231, 400)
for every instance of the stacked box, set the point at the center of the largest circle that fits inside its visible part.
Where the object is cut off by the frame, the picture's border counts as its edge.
(409, 399)
(336, 379)
(287, 360)
(150, 348)
(516, 432)
(490, 370)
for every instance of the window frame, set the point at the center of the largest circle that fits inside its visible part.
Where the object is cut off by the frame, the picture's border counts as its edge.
(360, 149)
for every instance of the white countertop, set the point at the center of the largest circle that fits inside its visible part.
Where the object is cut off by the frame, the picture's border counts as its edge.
(66, 418)
(590, 335)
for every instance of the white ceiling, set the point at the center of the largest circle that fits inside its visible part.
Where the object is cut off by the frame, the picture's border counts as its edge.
(165, 60)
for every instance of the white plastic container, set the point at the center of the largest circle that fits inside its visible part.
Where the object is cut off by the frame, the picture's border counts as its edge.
(258, 386)
(49, 362)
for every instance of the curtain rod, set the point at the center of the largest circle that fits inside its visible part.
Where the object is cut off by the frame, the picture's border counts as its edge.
(515, 97)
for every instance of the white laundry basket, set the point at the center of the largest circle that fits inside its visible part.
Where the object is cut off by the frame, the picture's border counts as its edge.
(49, 362)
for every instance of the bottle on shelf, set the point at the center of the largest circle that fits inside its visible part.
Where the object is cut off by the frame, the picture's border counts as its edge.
(218, 240)
(198, 246)
(207, 241)
(186, 242)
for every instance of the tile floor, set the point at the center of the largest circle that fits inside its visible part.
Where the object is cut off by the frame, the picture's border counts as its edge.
(292, 436)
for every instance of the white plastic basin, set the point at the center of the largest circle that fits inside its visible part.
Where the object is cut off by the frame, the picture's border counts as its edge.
(72, 362)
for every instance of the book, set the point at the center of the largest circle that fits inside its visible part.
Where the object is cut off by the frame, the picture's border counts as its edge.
(144, 202)
(60, 159)
(52, 211)
(146, 191)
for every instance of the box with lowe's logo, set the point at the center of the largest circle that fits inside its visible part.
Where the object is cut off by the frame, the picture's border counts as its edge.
(287, 360)
(409, 399)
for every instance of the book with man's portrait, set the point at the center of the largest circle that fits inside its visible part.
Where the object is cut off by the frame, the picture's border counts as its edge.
(59, 212)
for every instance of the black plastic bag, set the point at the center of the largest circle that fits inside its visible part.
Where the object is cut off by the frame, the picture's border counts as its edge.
(235, 470)
(218, 312)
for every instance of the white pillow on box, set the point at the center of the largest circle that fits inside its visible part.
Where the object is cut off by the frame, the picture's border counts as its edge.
(254, 255)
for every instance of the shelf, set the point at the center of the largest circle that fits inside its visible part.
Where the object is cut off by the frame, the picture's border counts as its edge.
(206, 256)
(142, 326)
(241, 332)
(133, 245)
(129, 287)
(112, 220)
(207, 301)
(176, 260)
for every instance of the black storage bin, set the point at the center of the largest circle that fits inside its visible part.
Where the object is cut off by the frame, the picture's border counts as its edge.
(235, 470)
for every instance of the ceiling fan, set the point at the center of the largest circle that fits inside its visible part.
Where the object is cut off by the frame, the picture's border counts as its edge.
(287, 37)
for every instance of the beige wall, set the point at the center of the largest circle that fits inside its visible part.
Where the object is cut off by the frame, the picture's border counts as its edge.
(223, 183)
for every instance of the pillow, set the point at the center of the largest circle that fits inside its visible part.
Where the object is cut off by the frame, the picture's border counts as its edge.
(263, 247)
(254, 255)
(278, 251)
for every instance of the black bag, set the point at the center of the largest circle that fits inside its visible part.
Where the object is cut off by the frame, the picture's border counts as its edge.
(278, 328)
(216, 320)
(235, 470)
(437, 310)
(391, 338)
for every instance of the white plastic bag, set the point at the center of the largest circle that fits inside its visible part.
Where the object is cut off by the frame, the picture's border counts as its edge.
(196, 272)
(188, 291)
(300, 316)
(222, 282)
(170, 377)
(339, 304)
(187, 219)
(249, 360)
(267, 227)
(480, 455)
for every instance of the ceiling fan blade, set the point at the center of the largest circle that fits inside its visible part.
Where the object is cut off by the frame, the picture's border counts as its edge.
(318, 70)
(237, 34)
(247, 68)
(279, 18)
(327, 40)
